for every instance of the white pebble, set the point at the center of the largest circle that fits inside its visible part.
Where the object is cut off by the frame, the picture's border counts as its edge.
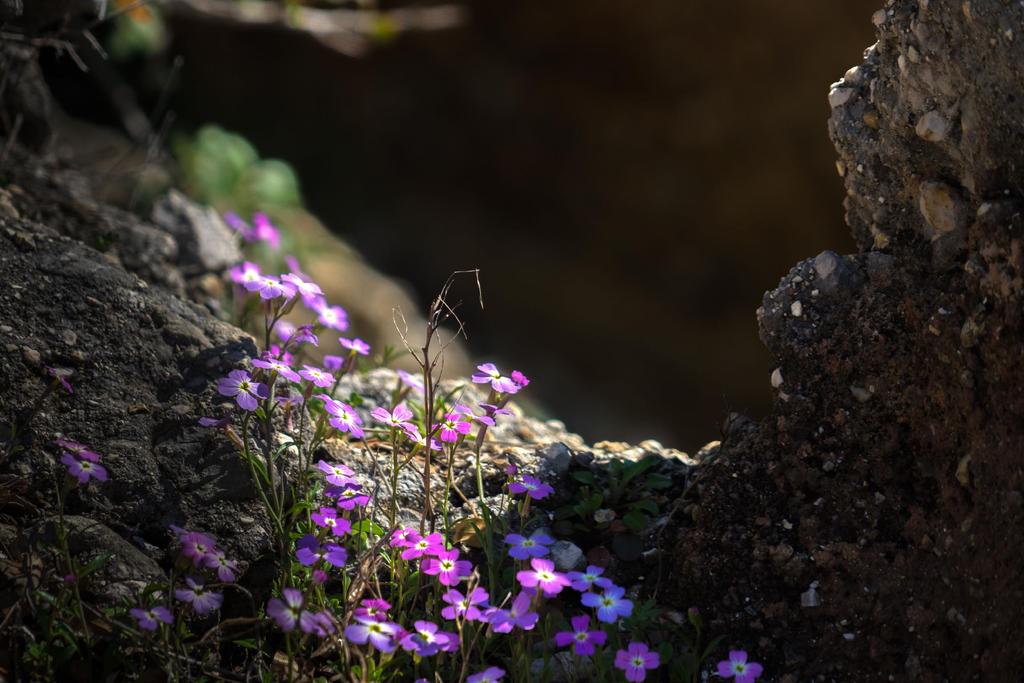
(797, 309)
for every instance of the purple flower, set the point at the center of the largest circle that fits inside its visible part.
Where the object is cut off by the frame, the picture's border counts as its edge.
(490, 675)
(490, 375)
(245, 273)
(286, 610)
(320, 624)
(531, 485)
(319, 576)
(240, 385)
(237, 224)
(344, 417)
(307, 290)
(468, 412)
(80, 451)
(581, 637)
(460, 605)
(225, 568)
(264, 231)
(412, 432)
(543, 576)
(611, 605)
(447, 567)
(349, 496)
(355, 346)
(333, 317)
(375, 609)
(149, 619)
(379, 634)
(61, 376)
(268, 362)
(270, 288)
(396, 419)
(520, 379)
(738, 666)
(328, 518)
(303, 335)
(195, 546)
(636, 660)
(425, 640)
(333, 363)
(309, 551)
(83, 470)
(518, 615)
(452, 427)
(414, 382)
(431, 544)
(317, 376)
(404, 538)
(203, 601)
(585, 581)
(534, 546)
(214, 422)
(339, 475)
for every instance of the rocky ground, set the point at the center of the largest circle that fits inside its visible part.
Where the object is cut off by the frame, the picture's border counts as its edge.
(869, 529)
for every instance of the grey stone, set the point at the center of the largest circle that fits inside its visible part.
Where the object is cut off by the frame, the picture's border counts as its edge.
(567, 556)
(557, 457)
(205, 243)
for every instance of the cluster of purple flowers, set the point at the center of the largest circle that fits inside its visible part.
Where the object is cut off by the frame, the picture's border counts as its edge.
(82, 463)
(261, 230)
(287, 611)
(488, 373)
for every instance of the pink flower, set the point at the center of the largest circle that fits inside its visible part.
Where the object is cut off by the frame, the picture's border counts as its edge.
(355, 346)
(738, 666)
(333, 317)
(447, 567)
(518, 615)
(379, 634)
(453, 427)
(344, 417)
(194, 545)
(636, 660)
(467, 607)
(270, 288)
(349, 496)
(543, 576)
(245, 273)
(404, 538)
(307, 290)
(317, 376)
(581, 637)
(426, 640)
(396, 419)
(414, 382)
(373, 609)
(264, 231)
(328, 518)
(268, 362)
(489, 374)
(431, 544)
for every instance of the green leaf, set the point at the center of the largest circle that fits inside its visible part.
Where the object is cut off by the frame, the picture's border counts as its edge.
(635, 520)
(638, 467)
(584, 476)
(657, 481)
(95, 564)
(247, 643)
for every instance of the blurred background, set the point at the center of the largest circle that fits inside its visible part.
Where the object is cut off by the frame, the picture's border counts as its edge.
(629, 177)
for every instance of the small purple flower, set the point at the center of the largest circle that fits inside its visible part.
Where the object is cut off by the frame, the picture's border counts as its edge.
(404, 538)
(489, 374)
(83, 470)
(431, 544)
(375, 609)
(413, 434)
(150, 619)
(195, 546)
(468, 412)
(307, 290)
(203, 601)
(287, 609)
(309, 551)
(268, 362)
(636, 660)
(738, 666)
(245, 273)
(234, 221)
(240, 385)
(520, 379)
(379, 634)
(333, 317)
(585, 581)
(320, 624)
(349, 497)
(270, 288)
(426, 640)
(338, 475)
(533, 486)
(490, 675)
(581, 637)
(518, 615)
(304, 335)
(534, 546)
(333, 363)
(453, 427)
(264, 231)
(62, 377)
(396, 419)
(355, 346)
(543, 576)
(467, 607)
(328, 518)
(319, 577)
(225, 568)
(344, 417)
(414, 382)
(611, 605)
(447, 567)
(215, 423)
(317, 376)
(80, 451)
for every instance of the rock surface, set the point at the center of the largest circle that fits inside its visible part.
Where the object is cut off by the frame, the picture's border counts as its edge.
(860, 532)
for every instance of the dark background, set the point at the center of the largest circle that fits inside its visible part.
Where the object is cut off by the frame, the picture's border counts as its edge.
(630, 177)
